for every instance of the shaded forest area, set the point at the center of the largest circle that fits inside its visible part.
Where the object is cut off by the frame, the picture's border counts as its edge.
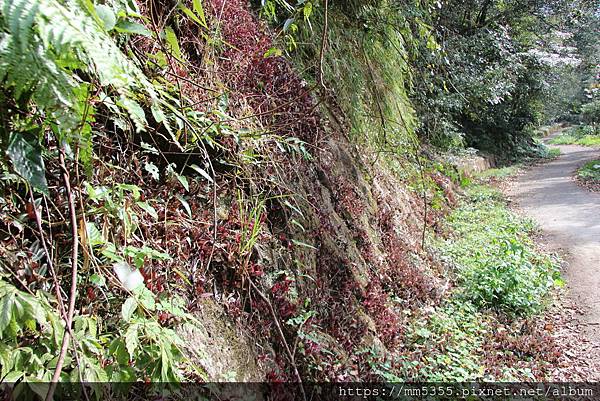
(216, 190)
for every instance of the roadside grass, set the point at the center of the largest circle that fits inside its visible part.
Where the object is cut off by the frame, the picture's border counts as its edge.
(585, 135)
(590, 171)
(588, 175)
(499, 277)
(543, 152)
(500, 172)
(553, 153)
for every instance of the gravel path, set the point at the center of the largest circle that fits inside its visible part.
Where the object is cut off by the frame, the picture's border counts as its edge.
(569, 217)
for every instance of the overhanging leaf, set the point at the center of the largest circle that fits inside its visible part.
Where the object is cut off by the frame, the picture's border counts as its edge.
(6, 311)
(107, 15)
(131, 339)
(197, 5)
(148, 209)
(173, 43)
(26, 157)
(202, 172)
(193, 16)
(185, 205)
(94, 235)
(128, 308)
(184, 181)
(133, 28)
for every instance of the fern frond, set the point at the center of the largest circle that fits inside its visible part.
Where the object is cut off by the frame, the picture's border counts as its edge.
(37, 36)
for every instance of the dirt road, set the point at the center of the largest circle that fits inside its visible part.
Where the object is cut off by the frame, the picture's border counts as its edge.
(569, 215)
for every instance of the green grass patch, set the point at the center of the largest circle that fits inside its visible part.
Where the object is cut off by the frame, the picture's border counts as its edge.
(553, 153)
(585, 135)
(501, 172)
(590, 140)
(590, 171)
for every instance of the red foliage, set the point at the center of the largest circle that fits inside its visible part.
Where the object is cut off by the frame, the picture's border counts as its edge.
(348, 197)
(406, 280)
(280, 291)
(91, 293)
(268, 84)
(386, 320)
(336, 298)
(154, 281)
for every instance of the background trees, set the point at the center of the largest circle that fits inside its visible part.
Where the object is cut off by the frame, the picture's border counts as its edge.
(503, 68)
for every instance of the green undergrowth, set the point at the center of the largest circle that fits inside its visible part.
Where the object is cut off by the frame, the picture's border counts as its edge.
(459, 328)
(590, 171)
(533, 152)
(498, 266)
(526, 152)
(549, 153)
(62, 69)
(499, 277)
(500, 172)
(585, 135)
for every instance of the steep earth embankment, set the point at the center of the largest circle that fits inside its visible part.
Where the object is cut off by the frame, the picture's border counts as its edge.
(339, 257)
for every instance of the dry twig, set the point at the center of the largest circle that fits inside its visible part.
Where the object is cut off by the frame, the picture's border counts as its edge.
(323, 44)
(73, 294)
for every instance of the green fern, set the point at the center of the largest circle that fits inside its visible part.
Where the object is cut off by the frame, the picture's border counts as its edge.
(53, 54)
(39, 33)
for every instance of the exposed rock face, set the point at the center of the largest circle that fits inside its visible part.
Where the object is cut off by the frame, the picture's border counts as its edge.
(473, 164)
(223, 350)
(340, 261)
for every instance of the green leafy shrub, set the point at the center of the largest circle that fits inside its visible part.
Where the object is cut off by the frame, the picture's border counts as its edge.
(61, 65)
(506, 276)
(133, 346)
(53, 56)
(497, 265)
(591, 112)
(499, 275)
(590, 171)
